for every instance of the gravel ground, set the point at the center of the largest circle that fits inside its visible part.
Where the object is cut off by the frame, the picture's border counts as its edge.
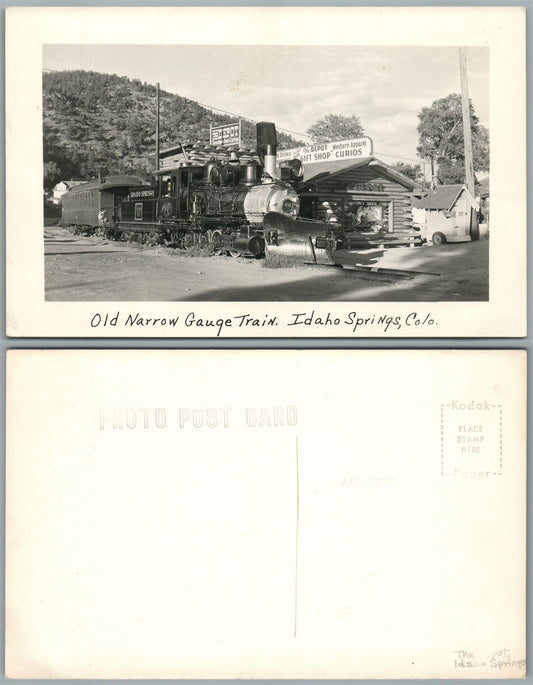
(80, 268)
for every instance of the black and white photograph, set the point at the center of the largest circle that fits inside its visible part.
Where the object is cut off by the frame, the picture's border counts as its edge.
(322, 172)
(235, 176)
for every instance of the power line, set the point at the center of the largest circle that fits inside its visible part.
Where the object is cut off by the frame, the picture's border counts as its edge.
(408, 159)
(252, 121)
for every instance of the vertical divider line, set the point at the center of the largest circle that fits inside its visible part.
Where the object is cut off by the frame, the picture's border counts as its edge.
(297, 537)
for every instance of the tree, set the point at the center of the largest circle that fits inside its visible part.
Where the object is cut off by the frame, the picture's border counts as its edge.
(52, 175)
(336, 127)
(450, 172)
(481, 149)
(412, 171)
(441, 139)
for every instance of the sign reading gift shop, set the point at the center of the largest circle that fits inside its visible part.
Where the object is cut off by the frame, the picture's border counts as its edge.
(355, 148)
(227, 134)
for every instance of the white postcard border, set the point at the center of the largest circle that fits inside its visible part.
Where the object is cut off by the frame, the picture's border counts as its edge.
(502, 29)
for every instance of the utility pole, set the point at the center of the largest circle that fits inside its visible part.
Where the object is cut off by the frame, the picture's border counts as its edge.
(157, 127)
(467, 130)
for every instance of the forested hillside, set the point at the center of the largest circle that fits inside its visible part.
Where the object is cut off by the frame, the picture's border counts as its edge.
(105, 123)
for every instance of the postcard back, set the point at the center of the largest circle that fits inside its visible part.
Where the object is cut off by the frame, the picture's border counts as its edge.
(253, 514)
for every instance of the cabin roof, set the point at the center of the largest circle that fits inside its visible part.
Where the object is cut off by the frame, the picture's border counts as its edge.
(441, 197)
(321, 171)
(69, 184)
(108, 182)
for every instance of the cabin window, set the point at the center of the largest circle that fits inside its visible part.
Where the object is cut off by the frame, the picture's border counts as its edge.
(138, 211)
(168, 186)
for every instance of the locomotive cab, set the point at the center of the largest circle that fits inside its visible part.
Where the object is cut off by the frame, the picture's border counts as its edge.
(179, 185)
(174, 193)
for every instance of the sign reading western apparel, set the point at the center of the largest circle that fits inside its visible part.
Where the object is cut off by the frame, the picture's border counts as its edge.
(226, 135)
(354, 148)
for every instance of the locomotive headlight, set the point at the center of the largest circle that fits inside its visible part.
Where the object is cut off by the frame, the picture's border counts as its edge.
(284, 200)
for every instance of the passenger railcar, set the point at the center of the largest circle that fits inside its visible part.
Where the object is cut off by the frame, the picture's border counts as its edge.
(95, 204)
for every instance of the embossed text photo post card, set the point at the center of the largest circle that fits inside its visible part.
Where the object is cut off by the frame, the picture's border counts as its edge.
(266, 514)
(266, 172)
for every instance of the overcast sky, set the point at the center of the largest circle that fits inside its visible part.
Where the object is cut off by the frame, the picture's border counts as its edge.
(294, 86)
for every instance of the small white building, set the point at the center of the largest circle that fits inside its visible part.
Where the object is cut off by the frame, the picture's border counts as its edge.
(446, 214)
(61, 188)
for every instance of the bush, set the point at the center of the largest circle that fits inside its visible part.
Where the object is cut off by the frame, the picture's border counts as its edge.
(278, 261)
(51, 210)
(197, 250)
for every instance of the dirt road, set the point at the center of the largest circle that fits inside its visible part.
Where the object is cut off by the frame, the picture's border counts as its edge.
(79, 268)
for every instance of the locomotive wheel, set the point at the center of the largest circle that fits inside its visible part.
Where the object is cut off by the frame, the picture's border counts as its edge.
(234, 253)
(216, 241)
(187, 241)
(174, 239)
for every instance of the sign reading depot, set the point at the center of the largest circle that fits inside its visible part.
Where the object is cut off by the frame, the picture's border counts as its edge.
(227, 134)
(355, 148)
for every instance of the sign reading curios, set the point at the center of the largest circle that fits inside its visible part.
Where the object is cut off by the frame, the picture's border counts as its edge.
(354, 148)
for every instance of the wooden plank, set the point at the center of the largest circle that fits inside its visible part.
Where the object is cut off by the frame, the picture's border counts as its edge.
(394, 272)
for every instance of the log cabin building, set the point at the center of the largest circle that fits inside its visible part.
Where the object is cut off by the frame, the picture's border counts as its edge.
(363, 196)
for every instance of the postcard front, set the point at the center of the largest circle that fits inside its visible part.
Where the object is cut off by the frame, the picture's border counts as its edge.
(238, 514)
(240, 178)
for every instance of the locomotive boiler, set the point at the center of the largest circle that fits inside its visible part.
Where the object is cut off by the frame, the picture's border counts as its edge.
(213, 197)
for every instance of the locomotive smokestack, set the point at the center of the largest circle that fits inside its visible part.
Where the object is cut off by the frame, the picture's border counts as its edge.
(267, 146)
